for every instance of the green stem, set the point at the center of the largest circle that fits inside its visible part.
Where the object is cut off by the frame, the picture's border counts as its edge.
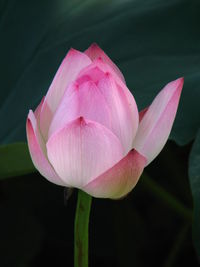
(167, 198)
(81, 229)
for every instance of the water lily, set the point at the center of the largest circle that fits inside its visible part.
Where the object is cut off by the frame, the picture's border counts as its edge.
(87, 132)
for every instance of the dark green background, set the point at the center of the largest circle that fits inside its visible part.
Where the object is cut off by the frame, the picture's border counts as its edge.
(153, 42)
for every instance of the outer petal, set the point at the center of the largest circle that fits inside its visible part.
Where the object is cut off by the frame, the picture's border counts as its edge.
(37, 151)
(72, 64)
(83, 150)
(124, 113)
(84, 100)
(94, 52)
(120, 179)
(155, 126)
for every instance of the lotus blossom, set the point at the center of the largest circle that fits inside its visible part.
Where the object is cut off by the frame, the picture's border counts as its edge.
(87, 132)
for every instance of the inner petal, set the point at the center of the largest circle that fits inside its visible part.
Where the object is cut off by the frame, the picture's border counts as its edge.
(84, 99)
(91, 72)
(123, 110)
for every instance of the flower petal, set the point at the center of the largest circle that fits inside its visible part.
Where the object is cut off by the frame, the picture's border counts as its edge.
(104, 68)
(141, 113)
(72, 64)
(124, 113)
(82, 150)
(90, 73)
(38, 110)
(155, 126)
(84, 100)
(94, 52)
(37, 151)
(118, 180)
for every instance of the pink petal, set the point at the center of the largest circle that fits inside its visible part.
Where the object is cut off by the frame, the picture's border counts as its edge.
(38, 151)
(72, 64)
(94, 52)
(124, 113)
(84, 100)
(91, 72)
(46, 116)
(155, 126)
(38, 110)
(141, 113)
(83, 150)
(118, 180)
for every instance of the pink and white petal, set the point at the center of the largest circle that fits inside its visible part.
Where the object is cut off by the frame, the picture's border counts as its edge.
(124, 113)
(37, 151)
(155, 127)
(81, 150)
(70, 67)
(84, 100)
(94, 52)
(119, 180)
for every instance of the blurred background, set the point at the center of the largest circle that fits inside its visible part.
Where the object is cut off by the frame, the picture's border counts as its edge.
(153, 42)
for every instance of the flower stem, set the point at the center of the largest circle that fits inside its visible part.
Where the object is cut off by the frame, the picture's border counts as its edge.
(81, 229)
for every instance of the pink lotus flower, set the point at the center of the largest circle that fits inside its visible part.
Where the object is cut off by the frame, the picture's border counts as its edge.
(87, 132)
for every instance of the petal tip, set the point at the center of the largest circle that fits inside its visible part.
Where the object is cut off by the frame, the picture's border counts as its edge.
(182, 79)
(178, 83)
(72, 51)
(81, 120)
(31, 116)
(94, 46)
(30, 112)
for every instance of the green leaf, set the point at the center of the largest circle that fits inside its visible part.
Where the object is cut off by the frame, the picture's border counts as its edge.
(152, 44)
(15, 160)
(194, 175)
